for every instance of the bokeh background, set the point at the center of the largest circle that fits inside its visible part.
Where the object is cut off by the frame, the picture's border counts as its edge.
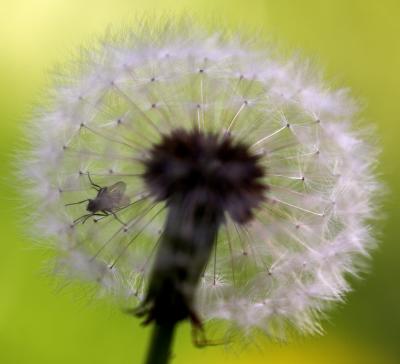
(357, 43)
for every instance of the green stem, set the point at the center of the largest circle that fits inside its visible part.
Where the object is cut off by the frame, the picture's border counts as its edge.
(160, 348)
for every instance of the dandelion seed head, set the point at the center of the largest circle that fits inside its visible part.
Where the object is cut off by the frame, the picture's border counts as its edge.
(177, 110)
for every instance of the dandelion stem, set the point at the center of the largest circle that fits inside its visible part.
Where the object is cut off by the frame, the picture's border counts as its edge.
(161, 343)
(185, 247)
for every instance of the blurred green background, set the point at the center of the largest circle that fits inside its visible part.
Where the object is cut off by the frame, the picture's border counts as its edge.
(358, 43)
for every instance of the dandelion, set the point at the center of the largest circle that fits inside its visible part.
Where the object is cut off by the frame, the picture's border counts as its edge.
(200, 176)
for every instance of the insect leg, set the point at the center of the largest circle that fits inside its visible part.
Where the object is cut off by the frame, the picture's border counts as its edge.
(76, 203)
(82, 218)
(117, 218)
(88, 216)
(103, 216)
(94, 185)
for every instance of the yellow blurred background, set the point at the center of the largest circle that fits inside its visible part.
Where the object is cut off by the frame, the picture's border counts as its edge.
(358, 43)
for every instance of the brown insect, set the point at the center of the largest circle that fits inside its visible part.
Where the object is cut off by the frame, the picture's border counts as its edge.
(108, 201)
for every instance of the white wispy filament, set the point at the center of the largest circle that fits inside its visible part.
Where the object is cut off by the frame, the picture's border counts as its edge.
(291, 261)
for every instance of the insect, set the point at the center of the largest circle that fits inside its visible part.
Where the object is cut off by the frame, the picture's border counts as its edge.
(108, 201)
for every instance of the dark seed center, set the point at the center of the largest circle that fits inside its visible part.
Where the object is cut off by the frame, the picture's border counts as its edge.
(206, 169)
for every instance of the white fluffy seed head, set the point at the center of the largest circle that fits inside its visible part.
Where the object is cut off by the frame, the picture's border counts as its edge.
(291, 261)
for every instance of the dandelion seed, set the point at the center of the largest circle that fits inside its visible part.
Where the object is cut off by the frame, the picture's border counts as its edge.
(252, 170)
